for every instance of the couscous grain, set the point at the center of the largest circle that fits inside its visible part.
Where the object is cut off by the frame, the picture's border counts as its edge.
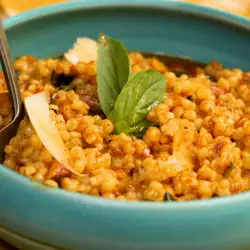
(212, 108)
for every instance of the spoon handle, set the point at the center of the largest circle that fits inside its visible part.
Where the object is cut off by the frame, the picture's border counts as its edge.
(9, 73)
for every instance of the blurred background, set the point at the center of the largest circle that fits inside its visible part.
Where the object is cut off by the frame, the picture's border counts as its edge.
(12, 7)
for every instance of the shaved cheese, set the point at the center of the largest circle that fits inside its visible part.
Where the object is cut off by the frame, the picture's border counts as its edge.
(84, 50)
(37, 107)
(181, 157)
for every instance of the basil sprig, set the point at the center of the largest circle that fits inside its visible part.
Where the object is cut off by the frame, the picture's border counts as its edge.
(113, 70)
(142, 92)
(126, 99)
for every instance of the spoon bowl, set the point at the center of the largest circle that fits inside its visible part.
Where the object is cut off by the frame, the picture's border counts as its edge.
(14, 95)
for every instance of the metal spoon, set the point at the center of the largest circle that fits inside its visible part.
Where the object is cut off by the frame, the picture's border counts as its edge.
(15, 97)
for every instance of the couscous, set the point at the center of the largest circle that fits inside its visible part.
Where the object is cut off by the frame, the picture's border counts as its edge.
(195, 144)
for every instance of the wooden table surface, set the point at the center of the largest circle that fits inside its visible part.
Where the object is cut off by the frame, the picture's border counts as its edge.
(241, 7)
(16, 6)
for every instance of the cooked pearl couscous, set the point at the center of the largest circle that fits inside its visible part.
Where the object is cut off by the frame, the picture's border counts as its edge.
(198, 148)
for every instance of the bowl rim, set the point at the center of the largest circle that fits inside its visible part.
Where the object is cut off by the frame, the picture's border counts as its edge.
(76, 5)
(177, 5)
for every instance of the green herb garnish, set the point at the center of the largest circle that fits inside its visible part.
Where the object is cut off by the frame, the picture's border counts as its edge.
(126, 100)
(63, 87)
(113, 71)
(142, 92)
(66, 87)
(168, 197)
(229, 170)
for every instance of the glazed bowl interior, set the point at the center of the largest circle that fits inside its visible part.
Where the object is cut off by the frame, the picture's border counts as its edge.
(141, 28)
(71, 221)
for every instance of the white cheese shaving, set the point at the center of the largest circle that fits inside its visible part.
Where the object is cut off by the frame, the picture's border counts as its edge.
(37, 107)
(84, 50)
(181, 157)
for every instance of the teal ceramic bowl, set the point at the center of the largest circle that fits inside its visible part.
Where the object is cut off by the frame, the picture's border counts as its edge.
(34, 217)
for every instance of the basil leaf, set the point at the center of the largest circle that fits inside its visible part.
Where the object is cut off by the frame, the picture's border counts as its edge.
(113, 70)
(142, 92)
